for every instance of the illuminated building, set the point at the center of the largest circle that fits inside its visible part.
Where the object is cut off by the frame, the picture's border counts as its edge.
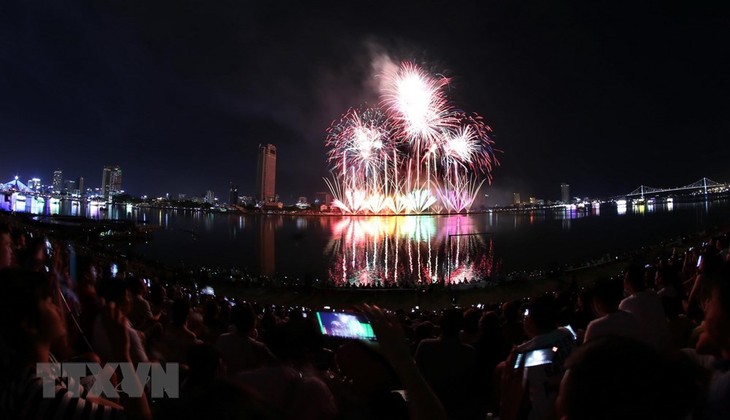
(209, 197)
(34, 184)
(69, 187)
(266, 173)
(82, 192)
(111, 181)
(323, 198)
(57, 181)
(565, 192)
(516, 199)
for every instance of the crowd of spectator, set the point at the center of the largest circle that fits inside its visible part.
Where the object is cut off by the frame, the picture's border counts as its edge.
(652, 342)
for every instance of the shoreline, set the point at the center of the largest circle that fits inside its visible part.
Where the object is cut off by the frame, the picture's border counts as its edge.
(392, 298)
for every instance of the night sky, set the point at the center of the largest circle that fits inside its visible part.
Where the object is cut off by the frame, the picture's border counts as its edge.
(603, 95)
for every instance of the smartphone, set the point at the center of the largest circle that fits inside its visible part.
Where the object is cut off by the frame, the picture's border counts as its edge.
(114, 270)
(535, 357)
(699, 261)
(345, 325)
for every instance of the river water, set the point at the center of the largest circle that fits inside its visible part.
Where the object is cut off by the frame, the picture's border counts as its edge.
(361, 249)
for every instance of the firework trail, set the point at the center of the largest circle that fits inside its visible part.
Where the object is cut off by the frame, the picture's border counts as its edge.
(414, 154)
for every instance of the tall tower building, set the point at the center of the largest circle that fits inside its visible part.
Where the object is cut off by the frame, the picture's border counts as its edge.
(516, 199)
(57, 181)
(266, 173)
(565, 192)
(82, 192)
(111, 181)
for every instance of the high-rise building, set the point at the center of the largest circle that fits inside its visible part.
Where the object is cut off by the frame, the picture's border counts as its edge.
(209, 197)
(233, 194)
(266, 173)
(111, 181)
(323, 198)
(69, 187)
(565, 192)
(516, 199)
(34, 184)
(57, 181)
(82, 192)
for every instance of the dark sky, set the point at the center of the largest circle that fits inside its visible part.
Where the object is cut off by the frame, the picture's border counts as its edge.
(604, 95)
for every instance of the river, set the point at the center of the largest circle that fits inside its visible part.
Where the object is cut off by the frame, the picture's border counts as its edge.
(427, 248)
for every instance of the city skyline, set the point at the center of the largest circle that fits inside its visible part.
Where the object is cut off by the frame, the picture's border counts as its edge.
(599, 96)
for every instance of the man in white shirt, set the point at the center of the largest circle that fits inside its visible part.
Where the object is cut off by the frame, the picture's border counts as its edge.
(611, 320)
(647, 307)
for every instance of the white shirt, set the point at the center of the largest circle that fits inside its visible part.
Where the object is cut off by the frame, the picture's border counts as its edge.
(647, 307)
(620, 323)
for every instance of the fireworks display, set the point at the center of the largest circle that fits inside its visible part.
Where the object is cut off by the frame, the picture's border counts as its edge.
(416, 153)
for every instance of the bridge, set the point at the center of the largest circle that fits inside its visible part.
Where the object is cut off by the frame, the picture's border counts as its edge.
(703, 186)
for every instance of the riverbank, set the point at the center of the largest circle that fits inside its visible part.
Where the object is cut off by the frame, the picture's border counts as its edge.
(278, 291)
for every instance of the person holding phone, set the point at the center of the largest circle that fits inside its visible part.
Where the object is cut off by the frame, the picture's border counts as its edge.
(421, 400)
(539, 383)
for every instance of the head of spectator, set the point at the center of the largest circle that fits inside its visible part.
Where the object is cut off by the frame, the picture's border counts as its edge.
(115, 290)
(489, 324)
(368, 370)
(716, 336)
(296, 342)
(35, 255)
(204, 364)
(620, 378)
(6, 247)
(135, 285)
(211, 311)
(540, 315)
(32, 321)
(451, 322)
(511, 311)
(607, 295)
(722, 242)
(666, 277)
(157, 294)
(224, 313)
(649, 276)
(180, 312)
(634, 279)
(244, 318)
(423, 330)
(471, 320)
(87, 273)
